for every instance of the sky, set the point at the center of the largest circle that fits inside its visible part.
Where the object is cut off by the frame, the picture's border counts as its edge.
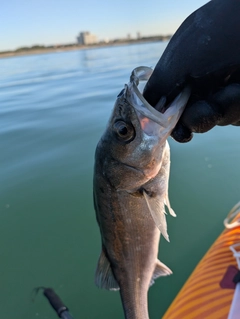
(50, 22)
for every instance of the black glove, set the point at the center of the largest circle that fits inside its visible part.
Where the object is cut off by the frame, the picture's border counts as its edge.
(205, 54)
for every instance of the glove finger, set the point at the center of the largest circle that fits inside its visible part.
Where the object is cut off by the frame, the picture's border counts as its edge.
(228, 102)
(198, 117)
(221, 108)
(181, 133)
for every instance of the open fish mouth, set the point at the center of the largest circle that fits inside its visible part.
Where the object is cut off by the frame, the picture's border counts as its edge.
(166, 121)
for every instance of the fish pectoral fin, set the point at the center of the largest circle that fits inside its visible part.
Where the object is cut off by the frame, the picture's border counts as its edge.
(167, 203)
(104, 277)
(160, 270)
(156, 207)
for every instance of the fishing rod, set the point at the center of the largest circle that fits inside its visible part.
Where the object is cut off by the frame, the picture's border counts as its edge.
(56, 303)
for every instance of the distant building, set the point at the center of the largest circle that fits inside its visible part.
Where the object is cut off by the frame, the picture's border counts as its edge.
(139, 35)
(86, 38)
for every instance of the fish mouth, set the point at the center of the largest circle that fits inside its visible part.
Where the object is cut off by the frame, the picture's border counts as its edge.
(134, 89)
(166, 121)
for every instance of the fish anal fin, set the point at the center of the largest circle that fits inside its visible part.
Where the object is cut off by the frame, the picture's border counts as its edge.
(160, 270)
(104, 277)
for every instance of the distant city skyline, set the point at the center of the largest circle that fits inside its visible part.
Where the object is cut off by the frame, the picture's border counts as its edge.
(86, 38)
(49, 22)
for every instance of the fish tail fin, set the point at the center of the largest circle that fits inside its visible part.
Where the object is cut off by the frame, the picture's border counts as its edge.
(104, 277)
(160, 270)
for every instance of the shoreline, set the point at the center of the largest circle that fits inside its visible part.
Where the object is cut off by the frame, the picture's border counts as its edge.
(76, 47)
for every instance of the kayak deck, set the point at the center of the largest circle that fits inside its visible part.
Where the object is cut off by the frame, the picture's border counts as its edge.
(201, 296)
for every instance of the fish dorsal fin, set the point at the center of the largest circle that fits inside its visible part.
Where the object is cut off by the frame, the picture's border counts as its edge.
(160, 270)
(157, 209)
(104, 277)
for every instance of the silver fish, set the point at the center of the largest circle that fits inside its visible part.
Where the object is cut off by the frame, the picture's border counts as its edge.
(131, 175)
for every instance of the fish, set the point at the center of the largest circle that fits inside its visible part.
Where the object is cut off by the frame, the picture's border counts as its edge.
(130, 190)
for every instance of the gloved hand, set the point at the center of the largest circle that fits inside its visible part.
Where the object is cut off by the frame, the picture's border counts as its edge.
(204, 53)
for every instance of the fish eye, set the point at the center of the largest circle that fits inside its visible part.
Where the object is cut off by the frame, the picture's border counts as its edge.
(124, 131)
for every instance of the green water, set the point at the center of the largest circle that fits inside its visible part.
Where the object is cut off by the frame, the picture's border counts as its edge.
(53, 110)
